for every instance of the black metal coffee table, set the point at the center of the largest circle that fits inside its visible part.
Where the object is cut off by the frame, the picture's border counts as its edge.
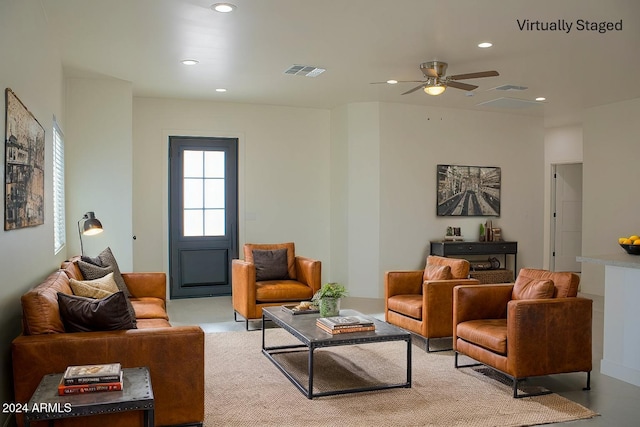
(303, 327)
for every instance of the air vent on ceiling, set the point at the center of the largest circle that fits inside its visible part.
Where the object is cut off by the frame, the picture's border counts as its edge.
(304, 70)
(510, 103)
(510, 87)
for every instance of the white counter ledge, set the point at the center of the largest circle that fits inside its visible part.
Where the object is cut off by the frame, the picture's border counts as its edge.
(621, 346)
(618, 260)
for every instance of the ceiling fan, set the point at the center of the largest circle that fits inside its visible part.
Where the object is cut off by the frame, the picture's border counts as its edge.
(437, 81)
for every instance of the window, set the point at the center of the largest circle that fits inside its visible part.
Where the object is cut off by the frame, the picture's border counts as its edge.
(204, 195)
(59, 232)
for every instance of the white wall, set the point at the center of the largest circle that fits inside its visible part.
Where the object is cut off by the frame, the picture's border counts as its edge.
(611, 175)
(562, 145)
(390, 188)
(283, 173)
(31, 67)
(414, 140)
(98, 155)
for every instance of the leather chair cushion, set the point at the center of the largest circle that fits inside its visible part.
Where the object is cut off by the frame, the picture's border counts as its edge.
(565, 283)
(528, 288)
(459, 267)
(408, 305)
(437, 272)
(282, 290)
(487, 333)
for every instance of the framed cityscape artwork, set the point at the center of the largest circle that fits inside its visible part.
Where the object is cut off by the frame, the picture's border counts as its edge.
(468, 190)
(24, 166)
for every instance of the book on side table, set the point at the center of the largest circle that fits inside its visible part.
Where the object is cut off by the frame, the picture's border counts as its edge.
(91, 378)
(345, 324)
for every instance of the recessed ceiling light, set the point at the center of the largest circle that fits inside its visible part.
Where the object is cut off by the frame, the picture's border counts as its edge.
(223, 7)
(189, 61)
(541, 98)
(485, 45)
(392, 82)
(221, 89)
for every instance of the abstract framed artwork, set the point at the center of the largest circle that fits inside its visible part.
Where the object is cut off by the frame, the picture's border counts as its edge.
(24, 166)
(468, 190)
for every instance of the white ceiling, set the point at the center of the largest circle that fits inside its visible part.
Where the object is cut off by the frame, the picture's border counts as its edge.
(358, 42)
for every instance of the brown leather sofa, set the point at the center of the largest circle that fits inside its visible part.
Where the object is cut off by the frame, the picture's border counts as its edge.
(537, 326)
(421, 303)
(174, 355)
(249, 295)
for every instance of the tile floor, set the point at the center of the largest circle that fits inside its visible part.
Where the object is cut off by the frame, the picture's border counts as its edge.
(616, 401)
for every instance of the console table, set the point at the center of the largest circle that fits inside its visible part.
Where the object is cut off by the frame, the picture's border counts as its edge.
(462, 249)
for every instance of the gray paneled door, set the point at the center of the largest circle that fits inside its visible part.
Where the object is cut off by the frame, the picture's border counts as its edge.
(203, 215)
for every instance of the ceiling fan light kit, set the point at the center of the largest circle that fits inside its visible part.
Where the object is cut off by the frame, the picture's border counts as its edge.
(435, 90)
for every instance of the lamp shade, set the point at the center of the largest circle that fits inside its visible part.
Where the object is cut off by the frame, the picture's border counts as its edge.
(436, 89)
(90, 227)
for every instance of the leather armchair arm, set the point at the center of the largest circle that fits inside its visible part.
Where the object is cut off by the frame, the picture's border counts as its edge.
(146, 284)
(546, 336)
(402, 283)
(308, 271)
(438, 294)
(243, 286)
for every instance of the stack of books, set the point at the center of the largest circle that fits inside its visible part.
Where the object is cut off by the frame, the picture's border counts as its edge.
(91, 379)
(345, 324)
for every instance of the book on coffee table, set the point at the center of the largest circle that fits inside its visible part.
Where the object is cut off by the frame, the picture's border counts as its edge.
(92, 374)
(344, 324)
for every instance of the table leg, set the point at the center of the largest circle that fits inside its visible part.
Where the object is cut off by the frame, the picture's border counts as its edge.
(310, 370)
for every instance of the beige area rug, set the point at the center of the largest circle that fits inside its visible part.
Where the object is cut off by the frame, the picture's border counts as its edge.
(244, 388)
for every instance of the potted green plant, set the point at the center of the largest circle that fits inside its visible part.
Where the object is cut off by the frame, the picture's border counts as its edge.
(328, 299)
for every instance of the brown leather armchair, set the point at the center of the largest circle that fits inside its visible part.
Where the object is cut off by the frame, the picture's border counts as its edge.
(421, 301)
(537, 326)
(271, 274)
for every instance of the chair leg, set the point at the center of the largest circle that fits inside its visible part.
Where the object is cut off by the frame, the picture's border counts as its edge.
(246, 322)
(436, 351)
(588, 387)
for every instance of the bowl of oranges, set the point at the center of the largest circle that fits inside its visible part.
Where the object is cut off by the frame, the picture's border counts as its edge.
(630, 244)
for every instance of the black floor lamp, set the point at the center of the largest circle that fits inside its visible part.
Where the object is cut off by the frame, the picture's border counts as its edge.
(90, 227)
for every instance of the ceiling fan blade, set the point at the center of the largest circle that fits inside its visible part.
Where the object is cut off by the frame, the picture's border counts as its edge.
(474, 75)
(399, 81)
(414, 89)
(463, 86)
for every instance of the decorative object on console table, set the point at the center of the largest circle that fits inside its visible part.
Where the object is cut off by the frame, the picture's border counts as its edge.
(327, 298)
(91, 227)
(467, 249)
(468, 190)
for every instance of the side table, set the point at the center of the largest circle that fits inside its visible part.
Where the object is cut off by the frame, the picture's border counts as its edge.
(136, 395)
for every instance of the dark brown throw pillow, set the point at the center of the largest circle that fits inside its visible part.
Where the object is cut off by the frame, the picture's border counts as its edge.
(81, 314)
(270, 265)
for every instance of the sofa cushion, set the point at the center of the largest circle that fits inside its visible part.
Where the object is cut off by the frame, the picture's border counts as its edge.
(270, 264)
(437, 272)
(459, 267)
(97, 288)
(40, 312)
(81, 314)
(487, 333)
(528, 288)
(149, 308)
(408, 305)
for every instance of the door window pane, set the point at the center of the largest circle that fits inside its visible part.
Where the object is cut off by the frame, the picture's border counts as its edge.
(204, 193)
